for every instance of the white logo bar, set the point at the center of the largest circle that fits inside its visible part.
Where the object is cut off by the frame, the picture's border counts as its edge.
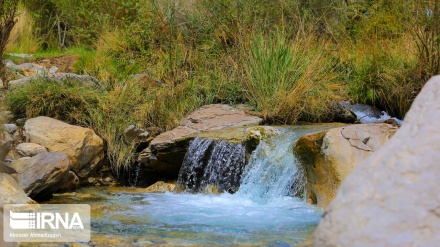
(46, 223)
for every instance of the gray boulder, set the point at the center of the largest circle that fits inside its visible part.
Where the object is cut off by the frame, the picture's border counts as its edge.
(392, 198)
(43, 174)
(53, 69)
(10, 128)
(340, 113)
(8, 62)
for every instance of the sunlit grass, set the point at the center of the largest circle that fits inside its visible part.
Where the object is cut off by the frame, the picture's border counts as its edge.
(284, 61)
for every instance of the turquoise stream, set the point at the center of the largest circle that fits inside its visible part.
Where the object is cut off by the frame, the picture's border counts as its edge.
(262, 213)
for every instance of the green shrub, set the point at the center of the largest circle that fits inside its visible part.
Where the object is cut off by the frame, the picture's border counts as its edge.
(391, 54)
(65, 23)
(69, 101)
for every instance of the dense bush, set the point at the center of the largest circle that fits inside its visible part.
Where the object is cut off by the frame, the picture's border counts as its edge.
(63, 23)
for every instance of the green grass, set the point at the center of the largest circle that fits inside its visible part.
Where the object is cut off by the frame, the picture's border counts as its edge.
(69, 101)
(285, 61)
(290, 79)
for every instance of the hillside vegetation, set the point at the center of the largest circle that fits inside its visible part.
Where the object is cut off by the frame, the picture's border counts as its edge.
(286, 60)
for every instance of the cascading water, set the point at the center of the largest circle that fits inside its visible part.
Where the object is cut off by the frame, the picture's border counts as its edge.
(210, 163)
(262, 212)
(368, 114)
(273, 171)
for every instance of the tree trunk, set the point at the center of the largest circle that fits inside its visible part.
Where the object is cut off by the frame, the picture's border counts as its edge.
(8, 10)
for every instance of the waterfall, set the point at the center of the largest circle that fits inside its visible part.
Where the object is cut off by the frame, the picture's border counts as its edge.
(218, 166)
(212, 165)
(272, 171)
(265, 211)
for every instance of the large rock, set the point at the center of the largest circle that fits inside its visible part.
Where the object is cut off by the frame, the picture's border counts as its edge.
(166, 151)
(207, 118)
(43, 174)
(331, 155)
(84, 148)
(11, 192)
(392, 198)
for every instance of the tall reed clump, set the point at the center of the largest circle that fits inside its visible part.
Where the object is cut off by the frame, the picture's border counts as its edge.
(289, 79)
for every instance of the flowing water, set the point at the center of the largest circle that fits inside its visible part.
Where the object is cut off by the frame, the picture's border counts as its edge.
(212, 164)
(368, 114)
(263, 212)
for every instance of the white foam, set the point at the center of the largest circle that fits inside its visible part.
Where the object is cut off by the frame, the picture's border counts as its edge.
(365, 118)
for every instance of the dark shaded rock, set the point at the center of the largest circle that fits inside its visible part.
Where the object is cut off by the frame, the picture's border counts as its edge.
(71, 182)
(6, 169)
(340, 113)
